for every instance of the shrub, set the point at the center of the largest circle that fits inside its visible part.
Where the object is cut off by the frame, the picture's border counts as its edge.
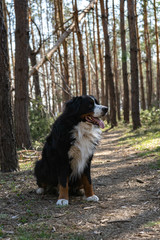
(39, 120)
(150, 117)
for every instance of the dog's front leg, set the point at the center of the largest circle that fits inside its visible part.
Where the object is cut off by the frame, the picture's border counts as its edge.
(88, 189)
(63, 194)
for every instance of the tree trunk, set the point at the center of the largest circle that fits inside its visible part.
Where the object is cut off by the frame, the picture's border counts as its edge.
(33, 56)
(35, 75)
(65, 52)
(95, 57)
(8, 156)
(81, 51)
(134, 65)
(44, 82)
(158, 64)
(12, 59)
(115, 59)
(75, 65)
(148, 56)
(53, 88)
(88, 60)
(21, 75)
(108, 70)
(143, 103)
(124, 65)
(47, 81)
(100, 57)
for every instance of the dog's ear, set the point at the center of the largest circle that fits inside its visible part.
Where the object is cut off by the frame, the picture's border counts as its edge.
(72, 106)
(94, 99)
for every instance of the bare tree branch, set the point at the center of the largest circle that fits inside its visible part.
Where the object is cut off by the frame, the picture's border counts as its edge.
(61, 39)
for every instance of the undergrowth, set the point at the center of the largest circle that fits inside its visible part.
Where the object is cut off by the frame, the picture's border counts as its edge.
(146, 140)
(40, 122)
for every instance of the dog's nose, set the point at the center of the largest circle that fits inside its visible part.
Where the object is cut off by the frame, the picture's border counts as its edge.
(105, 110)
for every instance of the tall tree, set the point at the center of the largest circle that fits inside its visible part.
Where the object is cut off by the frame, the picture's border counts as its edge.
(75, 65)
(108, 69)
(115, 60)
(88, 60)
(21, 74)
(33, 59)
(81, 50)
(149, 83)
(124, 65)
(65, 50)
(8, 156)
(100, 56)
(134, 65)
(143, 102)
(95, 58)
(33, 52)
(157, 47)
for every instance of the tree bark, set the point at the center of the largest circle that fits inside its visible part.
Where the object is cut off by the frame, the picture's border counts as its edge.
(143, 102)
(100, 57)
(35, 75)
(148, 56)
(33, 52)
(21, 75)
(124, 65)
(75, 65)
(134, 65)
(95, 57)
(88, 60)
(108, 70)
(8, 156)
(115, 59)
(81, 51)
(12, 52)
(65, 50)
(157, 48)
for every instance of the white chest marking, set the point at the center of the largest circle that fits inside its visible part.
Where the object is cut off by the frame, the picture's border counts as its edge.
(86, 138)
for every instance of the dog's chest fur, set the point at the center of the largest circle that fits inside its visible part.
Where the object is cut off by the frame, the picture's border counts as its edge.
(86, 138)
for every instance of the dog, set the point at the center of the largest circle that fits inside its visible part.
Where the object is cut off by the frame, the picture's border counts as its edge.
(69, 148)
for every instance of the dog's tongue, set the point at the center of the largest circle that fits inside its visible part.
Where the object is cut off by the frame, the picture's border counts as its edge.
(96, 121)
(101, 123)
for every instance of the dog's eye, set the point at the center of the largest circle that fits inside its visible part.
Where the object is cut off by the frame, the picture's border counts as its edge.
(91, 105)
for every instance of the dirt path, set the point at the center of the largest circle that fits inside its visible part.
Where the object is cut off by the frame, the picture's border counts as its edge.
(128, 189)
(129, 206)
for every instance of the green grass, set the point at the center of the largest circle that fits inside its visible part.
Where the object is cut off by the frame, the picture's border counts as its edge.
(145, 140)
(152, 224)
(1, 233)
(75, 237)
(42, 231)
(33, 233)
(26, 166)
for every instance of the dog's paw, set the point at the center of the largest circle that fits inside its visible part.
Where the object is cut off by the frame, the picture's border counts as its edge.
(93, 198)
(62, 202)
(40, 191)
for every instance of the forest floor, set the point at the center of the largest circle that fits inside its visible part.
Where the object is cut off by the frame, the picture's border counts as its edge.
(126, 180)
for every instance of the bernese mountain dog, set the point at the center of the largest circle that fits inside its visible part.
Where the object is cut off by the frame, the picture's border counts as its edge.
(69, 148)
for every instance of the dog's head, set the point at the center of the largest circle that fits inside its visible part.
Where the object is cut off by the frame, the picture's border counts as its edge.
(87, 109)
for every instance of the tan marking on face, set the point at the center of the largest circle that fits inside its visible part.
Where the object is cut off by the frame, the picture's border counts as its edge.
(87, 114)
